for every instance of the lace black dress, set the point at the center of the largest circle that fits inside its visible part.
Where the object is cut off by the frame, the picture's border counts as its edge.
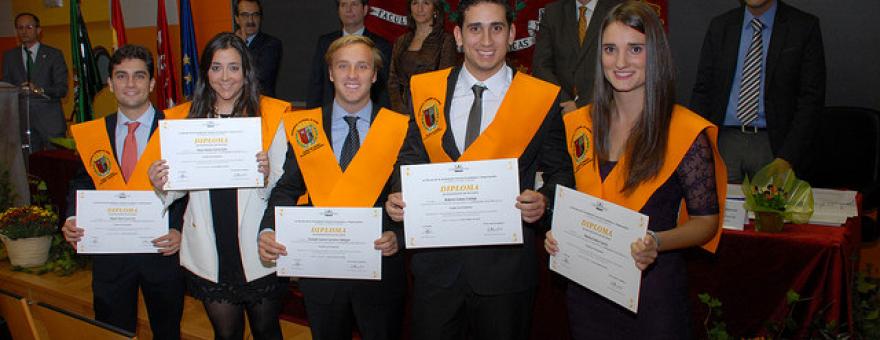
(232, 286)
(663, 301)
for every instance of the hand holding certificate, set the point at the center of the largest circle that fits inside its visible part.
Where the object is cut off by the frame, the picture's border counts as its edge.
(119, 222)
(461, 204)
(211, 153)
(329, 242)
(594, 238)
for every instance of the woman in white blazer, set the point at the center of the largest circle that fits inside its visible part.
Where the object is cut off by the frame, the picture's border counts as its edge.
(221, 226)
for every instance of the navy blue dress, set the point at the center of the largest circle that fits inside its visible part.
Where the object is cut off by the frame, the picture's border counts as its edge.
(663, 300)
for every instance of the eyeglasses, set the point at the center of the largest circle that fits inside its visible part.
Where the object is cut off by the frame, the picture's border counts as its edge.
(254, 15)
(25, 27)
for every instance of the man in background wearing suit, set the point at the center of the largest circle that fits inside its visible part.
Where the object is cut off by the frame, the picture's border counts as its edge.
(490, 112)
(265, 48)
(41, 68)
(761, 77)
(351, 14)
(116, 278)
(565, 49)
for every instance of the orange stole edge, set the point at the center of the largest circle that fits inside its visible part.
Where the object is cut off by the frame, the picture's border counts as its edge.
(430, 115)
(525, 105)
(687, 126)
(361, 183)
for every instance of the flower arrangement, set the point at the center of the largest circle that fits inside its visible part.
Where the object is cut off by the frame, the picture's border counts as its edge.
(776, 194)
(26, 222)
(770, 198)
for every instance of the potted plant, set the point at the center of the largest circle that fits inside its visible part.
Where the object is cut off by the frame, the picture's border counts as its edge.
(27, 234)
(775, 196)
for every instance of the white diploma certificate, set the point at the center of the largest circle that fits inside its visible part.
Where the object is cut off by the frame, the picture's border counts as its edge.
(461, 204)
(594, 238)
(119, 222)
(329, 242)
(211, 153)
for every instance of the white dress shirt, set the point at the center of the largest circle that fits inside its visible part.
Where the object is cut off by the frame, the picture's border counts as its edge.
(463, 98)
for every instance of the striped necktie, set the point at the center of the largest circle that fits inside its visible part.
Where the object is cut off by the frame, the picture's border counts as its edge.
(750, 86)
(352, 142)
(582, 24)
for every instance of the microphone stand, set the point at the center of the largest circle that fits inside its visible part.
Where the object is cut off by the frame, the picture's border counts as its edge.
(27, 92)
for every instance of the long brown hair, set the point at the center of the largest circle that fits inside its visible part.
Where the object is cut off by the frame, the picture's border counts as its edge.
(646, 146)
(246, 105)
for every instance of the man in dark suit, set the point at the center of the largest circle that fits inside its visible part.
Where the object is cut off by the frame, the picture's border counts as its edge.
(42, 69)
(351, 14)
(377, 306)
(265, 48)
(116, 278)
(565, 49)
(483, 292)
(766, 107)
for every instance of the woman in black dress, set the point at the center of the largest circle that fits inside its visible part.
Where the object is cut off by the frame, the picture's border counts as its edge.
(221, 226)
(647, 154)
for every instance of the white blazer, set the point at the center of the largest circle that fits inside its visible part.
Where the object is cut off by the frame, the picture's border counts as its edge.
(198, 251)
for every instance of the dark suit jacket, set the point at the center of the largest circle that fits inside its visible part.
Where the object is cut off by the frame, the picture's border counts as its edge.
(321, 88)
(291, 186)
(108, 267)
(559, 58)
(794, 90)
(493, 269)
(50, 73)
(266, 51)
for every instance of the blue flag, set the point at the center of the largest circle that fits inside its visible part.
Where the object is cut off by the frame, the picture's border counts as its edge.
(188, 50)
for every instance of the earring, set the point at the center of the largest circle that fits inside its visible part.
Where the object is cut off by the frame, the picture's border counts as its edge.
(459, 48)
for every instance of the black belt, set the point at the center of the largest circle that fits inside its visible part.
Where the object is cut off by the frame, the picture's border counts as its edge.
(748, 130)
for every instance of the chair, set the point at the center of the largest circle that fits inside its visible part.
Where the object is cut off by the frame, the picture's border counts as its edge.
(14, 309)
(62, 324)
(846, 154)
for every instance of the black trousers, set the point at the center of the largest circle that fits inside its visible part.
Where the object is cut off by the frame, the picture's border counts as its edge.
(457, 312)
(115, 283)
(376, 318)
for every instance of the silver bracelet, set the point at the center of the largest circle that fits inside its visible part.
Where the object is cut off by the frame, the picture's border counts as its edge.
(655, 237)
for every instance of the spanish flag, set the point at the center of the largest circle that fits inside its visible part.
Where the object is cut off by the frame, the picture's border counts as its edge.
(117, 24)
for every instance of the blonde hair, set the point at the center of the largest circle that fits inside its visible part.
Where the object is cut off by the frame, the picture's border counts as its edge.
(348, 40)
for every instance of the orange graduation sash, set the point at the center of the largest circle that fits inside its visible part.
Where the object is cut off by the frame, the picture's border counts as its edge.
(93, 145)
(518, 118)
(684, 128)
(362, 182)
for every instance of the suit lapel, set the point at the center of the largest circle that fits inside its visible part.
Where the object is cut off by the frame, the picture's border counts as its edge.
(448, 139)
(730, 54)
(110, 122)
(777, 41)
(327, 116)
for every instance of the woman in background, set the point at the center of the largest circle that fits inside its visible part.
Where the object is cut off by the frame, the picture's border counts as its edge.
(647, 154)
(425, 47)
(220, 226)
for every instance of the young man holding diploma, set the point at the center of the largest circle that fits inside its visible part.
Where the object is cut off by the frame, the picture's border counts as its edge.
(342, 155)
(116, 151)
(483, 110)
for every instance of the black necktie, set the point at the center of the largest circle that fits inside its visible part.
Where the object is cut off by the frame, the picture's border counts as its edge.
(30, 63)
(476, 116)
(352, 142)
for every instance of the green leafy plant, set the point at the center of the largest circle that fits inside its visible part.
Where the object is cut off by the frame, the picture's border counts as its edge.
(7, 195)
(718, 331)
(866, 306)
(24, 222)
